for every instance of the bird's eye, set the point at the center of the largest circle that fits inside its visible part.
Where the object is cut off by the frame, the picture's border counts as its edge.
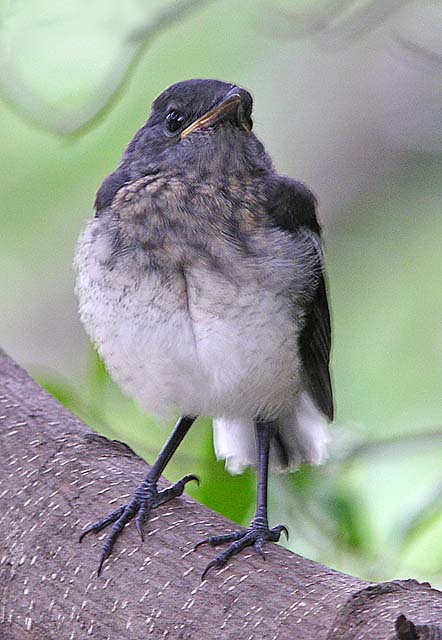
(174, 121)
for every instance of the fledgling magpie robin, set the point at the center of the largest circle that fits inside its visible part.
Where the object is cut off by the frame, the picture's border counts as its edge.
(200, 281)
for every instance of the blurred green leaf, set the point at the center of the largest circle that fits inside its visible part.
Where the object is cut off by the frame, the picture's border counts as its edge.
(336, 22)
(63, 392)
(395, 445)
(342, 508)
(63, 66)
(424, 516)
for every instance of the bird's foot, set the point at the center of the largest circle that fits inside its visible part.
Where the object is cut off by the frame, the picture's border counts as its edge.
(255, 536)
(145, 498)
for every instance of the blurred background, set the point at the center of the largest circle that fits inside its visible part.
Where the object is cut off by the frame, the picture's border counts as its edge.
(348, 98)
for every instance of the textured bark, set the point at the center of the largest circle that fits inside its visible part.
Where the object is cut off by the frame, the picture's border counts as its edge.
(56, 475)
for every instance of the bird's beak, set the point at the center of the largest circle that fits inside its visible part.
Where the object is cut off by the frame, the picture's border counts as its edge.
(231, 105)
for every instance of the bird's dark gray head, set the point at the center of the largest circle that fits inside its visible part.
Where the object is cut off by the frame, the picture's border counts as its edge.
(195, 127)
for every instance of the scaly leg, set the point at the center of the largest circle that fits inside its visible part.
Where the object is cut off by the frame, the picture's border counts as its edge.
(147, 496)
(258, 532)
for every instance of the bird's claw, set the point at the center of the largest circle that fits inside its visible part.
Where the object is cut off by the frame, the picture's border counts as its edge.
(256, 536)
(146, 498)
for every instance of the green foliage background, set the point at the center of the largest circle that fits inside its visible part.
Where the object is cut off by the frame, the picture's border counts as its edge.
(375, 508)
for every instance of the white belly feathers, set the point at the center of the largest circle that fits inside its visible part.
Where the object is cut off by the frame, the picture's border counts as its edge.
(196, 343)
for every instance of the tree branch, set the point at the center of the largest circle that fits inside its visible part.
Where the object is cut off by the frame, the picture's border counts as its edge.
(56, 475)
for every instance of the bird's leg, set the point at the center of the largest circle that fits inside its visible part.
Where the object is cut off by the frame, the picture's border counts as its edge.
(147, 496)
(258, 532)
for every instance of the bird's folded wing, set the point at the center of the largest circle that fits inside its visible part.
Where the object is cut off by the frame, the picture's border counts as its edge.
(293, 208)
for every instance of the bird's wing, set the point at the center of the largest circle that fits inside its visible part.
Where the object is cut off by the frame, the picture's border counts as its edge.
(293, 208)
(315, 342)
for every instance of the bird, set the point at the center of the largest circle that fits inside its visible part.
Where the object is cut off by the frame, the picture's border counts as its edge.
(201, 282)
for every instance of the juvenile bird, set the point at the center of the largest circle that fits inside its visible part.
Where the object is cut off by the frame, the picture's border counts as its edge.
(200, 281)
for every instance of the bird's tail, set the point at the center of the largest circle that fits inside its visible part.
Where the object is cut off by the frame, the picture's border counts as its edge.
(301, 437)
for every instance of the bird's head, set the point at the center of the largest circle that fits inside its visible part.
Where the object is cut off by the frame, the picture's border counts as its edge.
(195, 127)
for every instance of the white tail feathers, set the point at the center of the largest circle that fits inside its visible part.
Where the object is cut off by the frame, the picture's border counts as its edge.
(234, 442)
(302, 438)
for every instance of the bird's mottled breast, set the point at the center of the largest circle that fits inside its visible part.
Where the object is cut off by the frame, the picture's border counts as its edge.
(178, 230)
(169, 223)
(173, 222)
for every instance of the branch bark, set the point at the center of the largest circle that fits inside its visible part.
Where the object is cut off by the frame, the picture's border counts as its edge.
(56, 475)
